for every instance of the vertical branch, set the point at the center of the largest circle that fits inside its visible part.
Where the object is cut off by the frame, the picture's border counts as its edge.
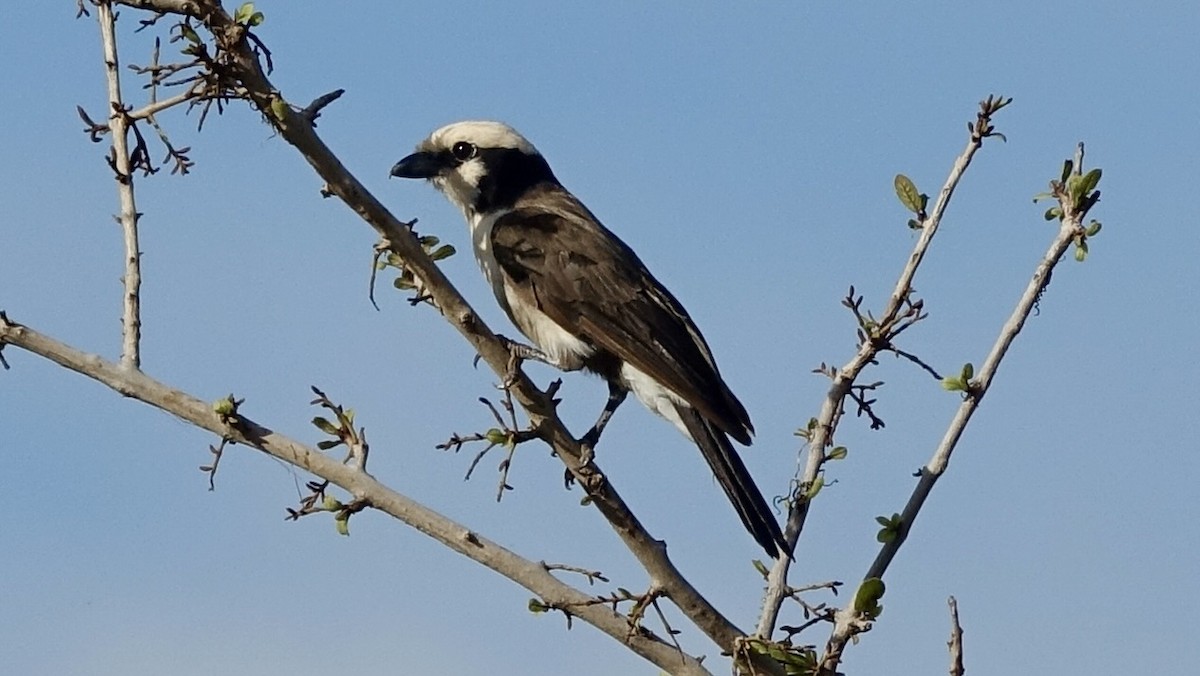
(869, 347)
(118, 122)
(955, 642)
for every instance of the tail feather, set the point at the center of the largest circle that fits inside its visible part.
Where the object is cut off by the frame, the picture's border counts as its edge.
(735, 480)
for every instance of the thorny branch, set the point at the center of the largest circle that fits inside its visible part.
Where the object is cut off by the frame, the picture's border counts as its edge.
(506, 435)
(1075, 195)
(1074, 208)
(364, 489)
(123, 164)
(874, 335)
(637, 612)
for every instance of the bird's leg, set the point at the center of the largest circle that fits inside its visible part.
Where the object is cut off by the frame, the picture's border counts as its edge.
(616, 395)
(517, 353)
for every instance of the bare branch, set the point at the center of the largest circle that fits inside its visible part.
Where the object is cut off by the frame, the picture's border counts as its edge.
(119, 123)
(955, 642)
(367, 491)
(150, 109)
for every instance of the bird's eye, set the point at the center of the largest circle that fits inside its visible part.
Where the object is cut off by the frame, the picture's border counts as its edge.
(463, 151)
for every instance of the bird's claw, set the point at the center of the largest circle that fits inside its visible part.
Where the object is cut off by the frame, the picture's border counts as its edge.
(517, 353)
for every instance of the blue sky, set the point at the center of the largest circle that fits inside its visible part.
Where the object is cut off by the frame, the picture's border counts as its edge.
(746, 150)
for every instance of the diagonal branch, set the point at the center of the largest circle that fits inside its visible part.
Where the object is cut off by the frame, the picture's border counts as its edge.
(294, 127)
(531, 575)
(1073, 209)
(1071, 227)
(844, 378)
(119, 123)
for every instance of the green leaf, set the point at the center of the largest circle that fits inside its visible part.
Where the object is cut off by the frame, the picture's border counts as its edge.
(279, 108)
(761, 568)
(1042, 196)
(325, 426)
(256, 19)
(838, 453)
(444, 251)
(909, 196)
(890, 530)
(328, 444)
(224, 407)
(1081, 252)
(1090, 180)
(1053, 213)
(496, 436)
(866, 599)
(189, 34)
(914, 224)
(403, 284)
(428, 241)
(1068, 167)
(342, 523)
(814, 488)
(242, 14)
(953, 384)
(536, 606)
(331, 504)
(1093, 228)
(968, 371)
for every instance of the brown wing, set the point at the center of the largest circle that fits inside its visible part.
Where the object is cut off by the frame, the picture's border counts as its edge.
(557, 256)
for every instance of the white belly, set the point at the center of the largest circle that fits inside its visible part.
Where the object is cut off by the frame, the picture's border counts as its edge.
(564, 349)
(654, 396)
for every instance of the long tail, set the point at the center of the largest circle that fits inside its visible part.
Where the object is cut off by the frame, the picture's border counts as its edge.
(735, 480)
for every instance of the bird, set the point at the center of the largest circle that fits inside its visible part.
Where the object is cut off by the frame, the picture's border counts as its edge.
(586, 300)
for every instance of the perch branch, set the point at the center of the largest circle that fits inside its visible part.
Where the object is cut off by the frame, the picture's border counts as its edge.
(243, 66)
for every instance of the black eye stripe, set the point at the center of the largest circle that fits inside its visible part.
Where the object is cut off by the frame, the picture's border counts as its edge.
(463, 151)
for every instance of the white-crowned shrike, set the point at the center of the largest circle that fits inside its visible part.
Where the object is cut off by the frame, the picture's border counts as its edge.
(586, 300)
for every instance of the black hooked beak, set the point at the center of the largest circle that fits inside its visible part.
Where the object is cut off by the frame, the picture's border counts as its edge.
(419, 165)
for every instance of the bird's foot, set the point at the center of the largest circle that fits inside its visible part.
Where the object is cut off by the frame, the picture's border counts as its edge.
(517, 353)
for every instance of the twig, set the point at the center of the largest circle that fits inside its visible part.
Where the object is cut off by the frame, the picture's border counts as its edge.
(211, 469)
(955, 642)
(119, 122)
(916, 360)
(591, 575)
(313, 110)
(150, 109)
(843, 379)
(506, 435)
(457, 537)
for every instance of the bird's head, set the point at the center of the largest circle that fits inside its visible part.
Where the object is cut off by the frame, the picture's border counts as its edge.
(480, 166)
